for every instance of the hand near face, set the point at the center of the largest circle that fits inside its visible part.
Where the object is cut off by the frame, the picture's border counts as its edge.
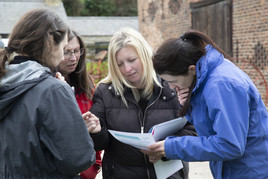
(182, 95)
(155, 151)
(92, 122)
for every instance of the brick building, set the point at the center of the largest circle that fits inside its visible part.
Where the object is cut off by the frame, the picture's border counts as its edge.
(240, 27)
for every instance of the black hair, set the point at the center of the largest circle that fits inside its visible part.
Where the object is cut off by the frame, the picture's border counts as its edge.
(175, 56)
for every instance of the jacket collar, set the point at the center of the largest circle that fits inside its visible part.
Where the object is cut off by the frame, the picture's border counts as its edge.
(206, 64)
(22, 69)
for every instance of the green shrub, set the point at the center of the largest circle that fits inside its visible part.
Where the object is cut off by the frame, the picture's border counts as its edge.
(97, 69)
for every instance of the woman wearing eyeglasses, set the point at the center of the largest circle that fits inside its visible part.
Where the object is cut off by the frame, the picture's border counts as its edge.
(73, 68)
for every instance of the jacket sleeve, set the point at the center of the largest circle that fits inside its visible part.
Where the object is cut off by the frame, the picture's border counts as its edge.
(229, 118)
(101, 139)
(63, 131)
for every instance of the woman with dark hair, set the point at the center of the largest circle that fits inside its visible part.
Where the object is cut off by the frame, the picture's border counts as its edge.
(73, 69)
(43, 134)
(223, 104)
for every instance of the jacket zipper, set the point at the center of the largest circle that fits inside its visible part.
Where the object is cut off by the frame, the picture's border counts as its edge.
(144, 115)
(142, 129)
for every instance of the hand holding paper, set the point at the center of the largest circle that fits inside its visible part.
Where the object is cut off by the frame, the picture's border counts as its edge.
(162, 169)
(156, 150)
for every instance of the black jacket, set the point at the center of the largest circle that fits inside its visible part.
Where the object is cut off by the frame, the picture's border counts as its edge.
(42, 133)
(121, 160)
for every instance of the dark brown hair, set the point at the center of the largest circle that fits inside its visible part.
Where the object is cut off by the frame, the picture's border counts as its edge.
(175, 56)
(80, 78)
(30, 35)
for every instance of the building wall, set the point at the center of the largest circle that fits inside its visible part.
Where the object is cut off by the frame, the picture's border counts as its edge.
(250, 37)
(160, 20)
(163, 19)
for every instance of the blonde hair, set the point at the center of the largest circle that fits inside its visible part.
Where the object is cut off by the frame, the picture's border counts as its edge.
(128, 37)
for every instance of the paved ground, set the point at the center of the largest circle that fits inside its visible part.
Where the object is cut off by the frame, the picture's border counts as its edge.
(198, 170)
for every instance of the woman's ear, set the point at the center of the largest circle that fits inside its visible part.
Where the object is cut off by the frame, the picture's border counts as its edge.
(49, 42)
(191, 70)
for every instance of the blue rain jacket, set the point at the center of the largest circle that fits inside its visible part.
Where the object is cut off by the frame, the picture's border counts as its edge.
(230, 119)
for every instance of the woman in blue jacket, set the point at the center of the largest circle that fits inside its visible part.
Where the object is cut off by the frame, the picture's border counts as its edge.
(223, 104)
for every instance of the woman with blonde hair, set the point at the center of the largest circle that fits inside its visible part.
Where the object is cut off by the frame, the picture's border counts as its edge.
(132, 98)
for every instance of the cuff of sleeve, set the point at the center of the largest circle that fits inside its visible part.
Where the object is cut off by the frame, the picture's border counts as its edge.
(98, 139)
(171, 149)
(97, 135)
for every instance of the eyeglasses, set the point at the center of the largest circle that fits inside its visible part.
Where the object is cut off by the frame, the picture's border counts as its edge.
(77, 52)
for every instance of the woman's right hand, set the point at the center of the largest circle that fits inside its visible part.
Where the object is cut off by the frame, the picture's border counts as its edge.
(92, 122)
(155, 151)
(60, 77)
(182, 95)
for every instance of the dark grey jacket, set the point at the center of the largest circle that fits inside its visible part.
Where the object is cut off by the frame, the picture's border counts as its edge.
(42, 133)
(121, 160)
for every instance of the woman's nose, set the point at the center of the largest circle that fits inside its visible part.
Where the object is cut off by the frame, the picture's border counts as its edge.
(127, 68)
(72, 57)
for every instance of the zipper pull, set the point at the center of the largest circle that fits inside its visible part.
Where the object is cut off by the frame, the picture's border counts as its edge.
(142, 129)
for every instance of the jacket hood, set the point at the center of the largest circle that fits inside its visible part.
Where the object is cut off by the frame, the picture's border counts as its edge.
(19, 79)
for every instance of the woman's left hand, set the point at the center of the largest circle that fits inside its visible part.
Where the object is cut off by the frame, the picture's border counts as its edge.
(155, 151)
(182, 95)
